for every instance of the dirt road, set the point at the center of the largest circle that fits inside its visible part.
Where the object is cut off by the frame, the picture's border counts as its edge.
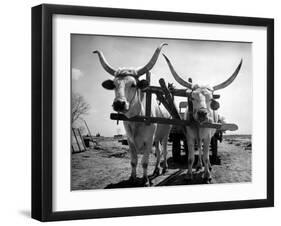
(108, 166)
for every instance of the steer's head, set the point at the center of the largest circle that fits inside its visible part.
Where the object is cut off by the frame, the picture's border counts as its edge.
(126, 82)
(202, 96)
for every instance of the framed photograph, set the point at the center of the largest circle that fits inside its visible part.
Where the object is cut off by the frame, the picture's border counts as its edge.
(147, 112)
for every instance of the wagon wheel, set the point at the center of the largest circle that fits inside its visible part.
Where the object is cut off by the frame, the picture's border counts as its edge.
(176, 149)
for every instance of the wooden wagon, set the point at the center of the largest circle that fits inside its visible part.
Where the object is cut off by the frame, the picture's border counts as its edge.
(165, 94)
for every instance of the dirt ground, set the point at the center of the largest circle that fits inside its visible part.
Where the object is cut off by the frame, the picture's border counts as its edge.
(108, 165)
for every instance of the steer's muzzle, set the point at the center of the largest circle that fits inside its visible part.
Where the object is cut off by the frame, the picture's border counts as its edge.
(119, 106)
(202, 115)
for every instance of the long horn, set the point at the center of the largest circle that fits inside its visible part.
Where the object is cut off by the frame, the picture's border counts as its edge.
(152, 61)
(176, 76)
(231, 78)
(104, 63)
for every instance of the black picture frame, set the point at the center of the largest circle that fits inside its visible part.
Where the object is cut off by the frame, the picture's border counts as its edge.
(42, 111)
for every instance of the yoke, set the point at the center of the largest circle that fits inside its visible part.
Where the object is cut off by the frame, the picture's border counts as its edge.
(166, 97)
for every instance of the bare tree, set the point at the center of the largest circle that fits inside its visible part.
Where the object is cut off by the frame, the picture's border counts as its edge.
(79, 107)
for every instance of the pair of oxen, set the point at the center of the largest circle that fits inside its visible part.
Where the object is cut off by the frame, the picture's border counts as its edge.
(130, 101)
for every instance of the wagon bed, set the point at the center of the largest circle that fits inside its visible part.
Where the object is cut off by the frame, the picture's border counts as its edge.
(165, 96)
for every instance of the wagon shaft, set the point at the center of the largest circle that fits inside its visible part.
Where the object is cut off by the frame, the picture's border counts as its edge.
(144, 119)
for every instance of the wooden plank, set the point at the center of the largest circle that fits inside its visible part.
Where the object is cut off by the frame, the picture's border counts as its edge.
(164, 102)
(73, 130)
(169, 99)
(148, 105)
(148, 99)
(89, 131)
(174, 112)
(166, 105)
(83, 143)
(144, 119)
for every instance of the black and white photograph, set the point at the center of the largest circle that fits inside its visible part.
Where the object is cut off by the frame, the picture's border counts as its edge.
(148, 112)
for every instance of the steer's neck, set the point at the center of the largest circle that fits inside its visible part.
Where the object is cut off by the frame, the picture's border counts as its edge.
(137, 105)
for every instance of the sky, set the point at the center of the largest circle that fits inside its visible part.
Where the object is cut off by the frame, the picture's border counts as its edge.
(206, 62)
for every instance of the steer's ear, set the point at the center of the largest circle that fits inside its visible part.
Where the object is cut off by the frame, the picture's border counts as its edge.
(108, 84)
(142, 84)
(215, 105)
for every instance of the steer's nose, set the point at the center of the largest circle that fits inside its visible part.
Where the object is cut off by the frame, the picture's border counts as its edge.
(119, 105)
(202, 114)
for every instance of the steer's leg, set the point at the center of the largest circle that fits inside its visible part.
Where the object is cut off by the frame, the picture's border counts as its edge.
(190, 143)
(164, 147)
(207, 174)
(147, 146)
(199, 162)
(134, 161)
(156, 171)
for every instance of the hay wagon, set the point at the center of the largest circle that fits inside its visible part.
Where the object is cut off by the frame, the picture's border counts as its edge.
(165, 95)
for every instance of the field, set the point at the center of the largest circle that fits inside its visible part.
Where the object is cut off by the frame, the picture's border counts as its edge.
(107, 165)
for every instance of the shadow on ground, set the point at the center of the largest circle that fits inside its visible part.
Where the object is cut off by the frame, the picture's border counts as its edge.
(181, 179)
(174, 179)
(127, 184)
(181, 163)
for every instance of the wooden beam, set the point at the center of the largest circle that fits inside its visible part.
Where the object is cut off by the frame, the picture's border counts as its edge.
(148, 99)
(89, 132)
(144, 119)
(81, 137)
(169, 99)
(73, 130)
(164, 102)
(174, 112)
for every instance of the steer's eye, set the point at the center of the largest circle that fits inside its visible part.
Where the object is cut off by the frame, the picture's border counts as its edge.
(133, 85)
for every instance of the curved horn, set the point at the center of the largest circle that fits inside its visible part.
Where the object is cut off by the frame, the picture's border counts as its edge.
(231, 78)
(176, 76)
(152, 61)
(104, 63)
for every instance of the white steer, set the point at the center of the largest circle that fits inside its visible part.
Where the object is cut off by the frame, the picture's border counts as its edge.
(204, 110)
(130, 101)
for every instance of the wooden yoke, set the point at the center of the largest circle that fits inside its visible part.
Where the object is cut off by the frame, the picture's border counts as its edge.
(148, 99)
(165, 96)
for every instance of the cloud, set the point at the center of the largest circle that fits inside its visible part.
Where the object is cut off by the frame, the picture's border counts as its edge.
(76, 74)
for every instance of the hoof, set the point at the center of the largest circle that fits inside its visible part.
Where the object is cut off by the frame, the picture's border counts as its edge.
(156, 172)
(207, 180)
(132, 180)
(146, 182)
(198, 168)
(164, 170)
(188, 177)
